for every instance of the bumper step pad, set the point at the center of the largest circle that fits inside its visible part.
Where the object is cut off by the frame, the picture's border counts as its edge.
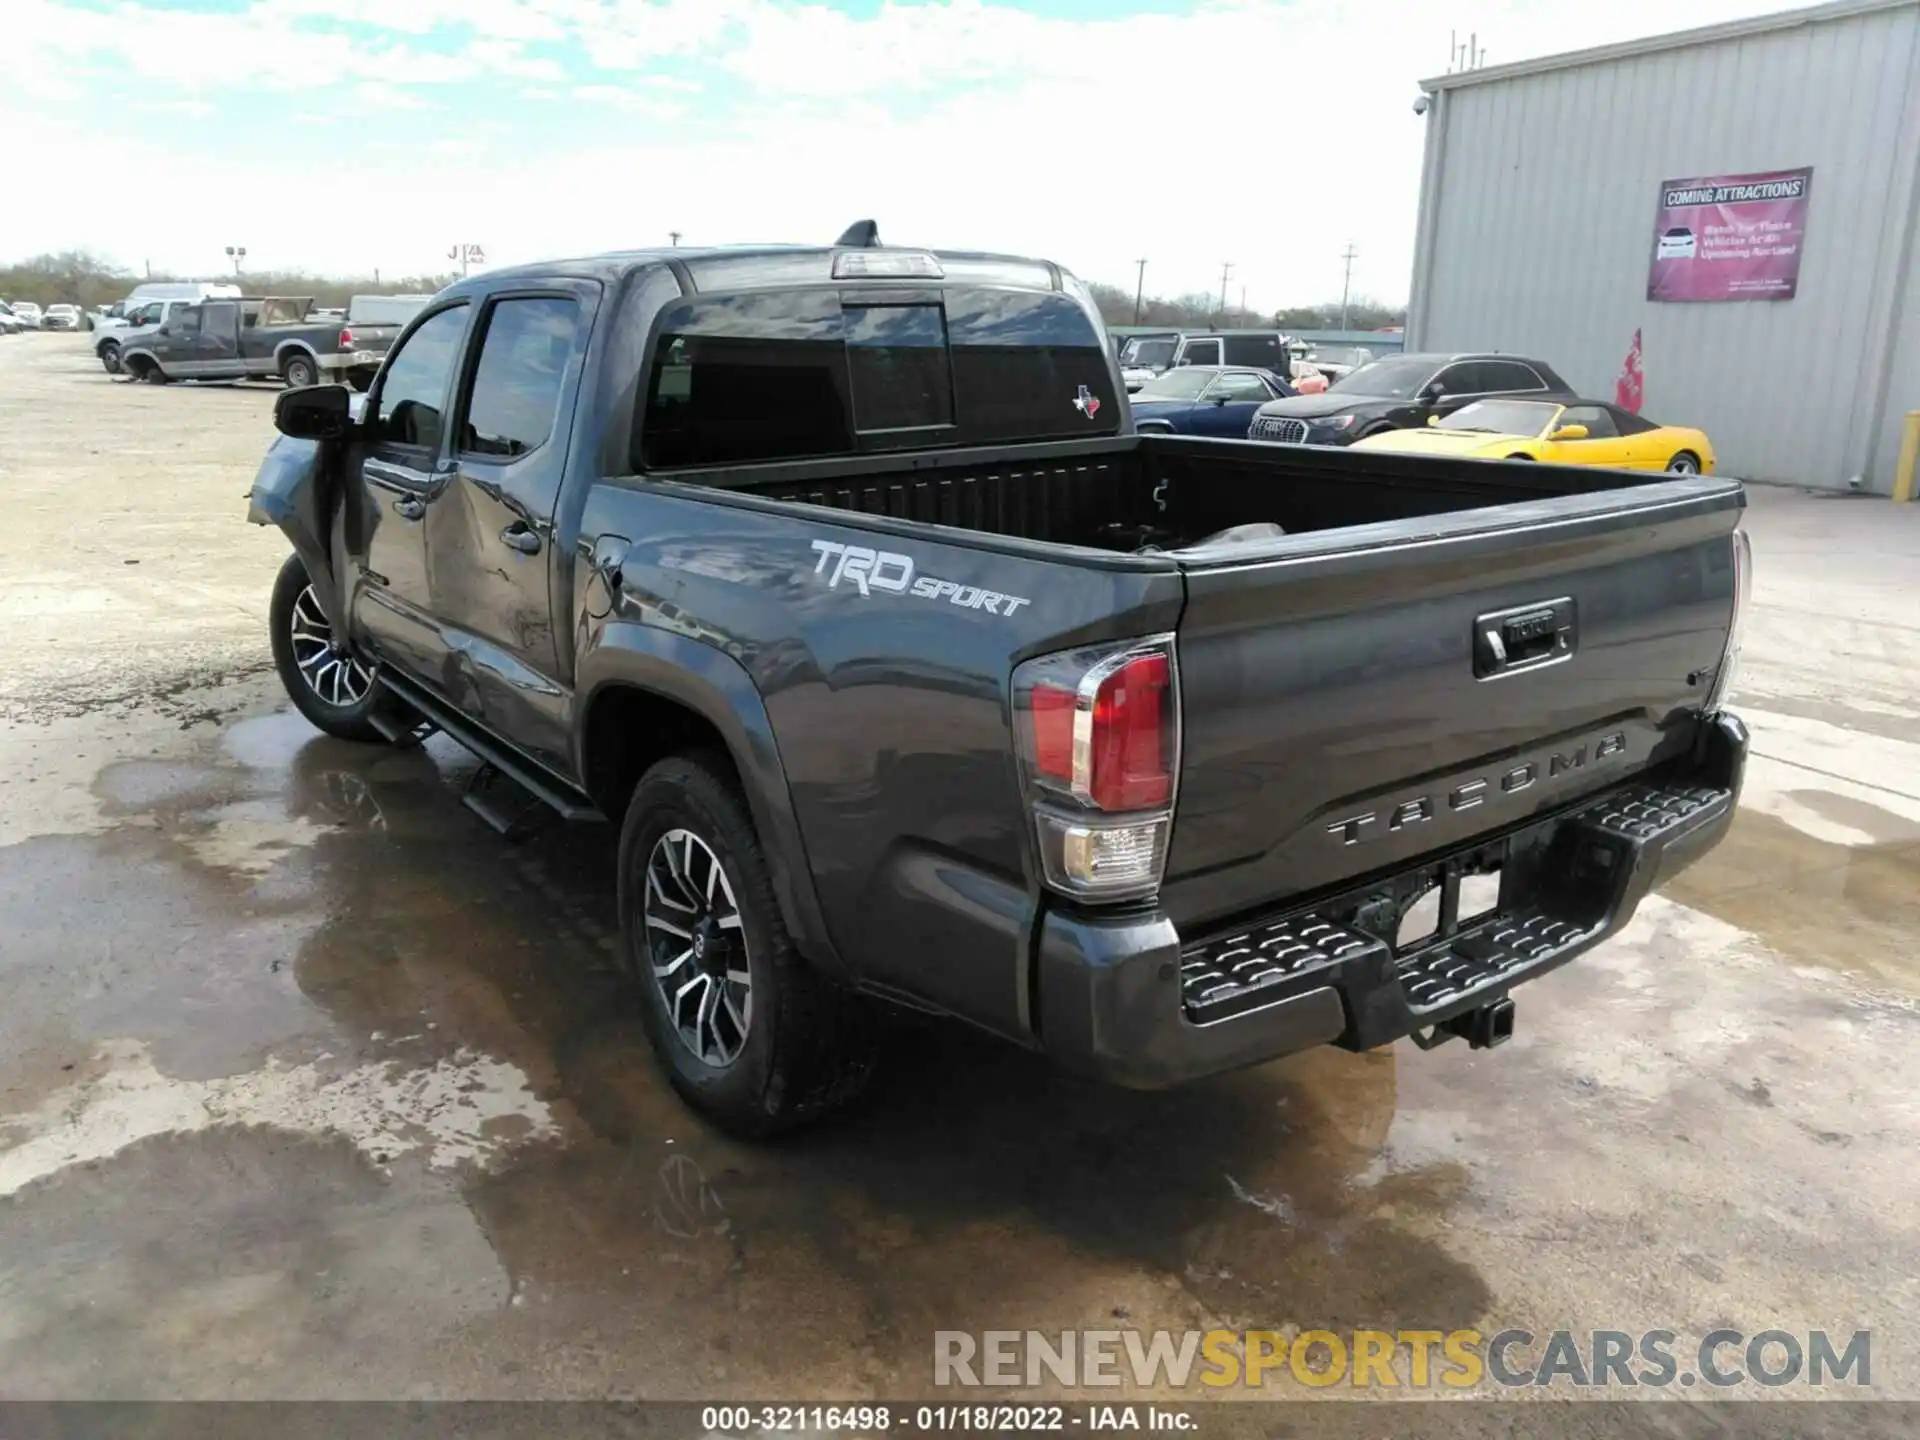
(1227, 976)
(1277, 959)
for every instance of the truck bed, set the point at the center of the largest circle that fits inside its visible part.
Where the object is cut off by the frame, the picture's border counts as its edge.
(1335, 671)
(1162, 492)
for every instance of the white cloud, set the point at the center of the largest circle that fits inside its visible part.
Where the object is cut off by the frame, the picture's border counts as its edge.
(1260, 132)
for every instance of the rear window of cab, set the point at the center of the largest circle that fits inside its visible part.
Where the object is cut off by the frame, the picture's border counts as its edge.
(783, 375)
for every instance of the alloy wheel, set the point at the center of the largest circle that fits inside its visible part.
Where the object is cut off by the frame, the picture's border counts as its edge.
(331, 672)
(697, 948)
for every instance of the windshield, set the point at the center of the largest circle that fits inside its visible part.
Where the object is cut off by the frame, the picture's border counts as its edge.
(1352, 355)
(1396, 379)
(1183, 384)
(1151, 353)
(1502, 417)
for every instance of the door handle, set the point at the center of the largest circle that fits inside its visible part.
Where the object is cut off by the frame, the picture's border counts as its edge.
(410, 507)
(519, 536)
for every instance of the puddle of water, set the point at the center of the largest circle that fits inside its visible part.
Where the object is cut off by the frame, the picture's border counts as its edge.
(460, 1111)
(1852, 907)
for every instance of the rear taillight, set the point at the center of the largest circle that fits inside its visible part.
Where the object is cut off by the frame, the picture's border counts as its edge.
(1099, 736)
(346, 339)
(1736, 628)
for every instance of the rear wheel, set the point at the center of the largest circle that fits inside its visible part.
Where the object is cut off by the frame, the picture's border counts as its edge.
(326, 681)
(110, 358)
(750, 1035)
(1685, 463)
(299, 371)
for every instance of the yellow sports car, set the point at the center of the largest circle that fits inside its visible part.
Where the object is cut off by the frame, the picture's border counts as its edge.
(1574, 432)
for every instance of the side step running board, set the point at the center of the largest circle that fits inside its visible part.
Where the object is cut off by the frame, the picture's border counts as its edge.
(396, 729)
(567, 802)
(495, 803)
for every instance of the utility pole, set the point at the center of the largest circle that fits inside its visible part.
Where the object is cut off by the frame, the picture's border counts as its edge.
(1139, 288)
(236, 253)
(1346, 282)
(1226, 269)
(674, 236)
(1243, 299)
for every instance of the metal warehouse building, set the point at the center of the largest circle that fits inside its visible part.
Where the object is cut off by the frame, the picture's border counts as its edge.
(1760, 178)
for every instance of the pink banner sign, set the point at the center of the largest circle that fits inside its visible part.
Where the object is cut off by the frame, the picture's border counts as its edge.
(1730, 237)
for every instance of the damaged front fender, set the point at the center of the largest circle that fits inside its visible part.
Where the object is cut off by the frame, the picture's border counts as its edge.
(288, 491)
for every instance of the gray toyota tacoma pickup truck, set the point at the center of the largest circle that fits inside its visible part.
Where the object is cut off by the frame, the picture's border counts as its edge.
(836, 581)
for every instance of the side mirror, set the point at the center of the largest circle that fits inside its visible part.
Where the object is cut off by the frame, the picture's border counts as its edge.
(1221, 399)
(317, 412)
(1434, 391)
(164, 330)
(1569, 432)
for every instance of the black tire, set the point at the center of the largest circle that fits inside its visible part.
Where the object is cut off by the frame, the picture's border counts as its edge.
(299, 370)
(1684, 463)
(361, 380)
(143, 368)
(110, 358)
(808, 1046)
(1518, 456)
(352, 720)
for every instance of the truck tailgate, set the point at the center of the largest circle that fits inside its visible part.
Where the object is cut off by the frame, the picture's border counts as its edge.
(1352, 700)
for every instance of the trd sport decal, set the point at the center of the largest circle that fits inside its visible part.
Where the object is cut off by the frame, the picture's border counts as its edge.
(892, 573)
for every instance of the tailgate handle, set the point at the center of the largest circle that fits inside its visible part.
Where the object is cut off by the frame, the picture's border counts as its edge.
(1524, 638)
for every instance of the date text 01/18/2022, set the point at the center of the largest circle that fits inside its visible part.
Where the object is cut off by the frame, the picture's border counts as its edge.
(938, 1419)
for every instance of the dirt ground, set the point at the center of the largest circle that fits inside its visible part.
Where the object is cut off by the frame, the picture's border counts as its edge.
(311, 1087)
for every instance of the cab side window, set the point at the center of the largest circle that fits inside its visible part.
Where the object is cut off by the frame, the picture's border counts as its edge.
(185, 321)
(1201, 352)
(414, 385)
(516, 388)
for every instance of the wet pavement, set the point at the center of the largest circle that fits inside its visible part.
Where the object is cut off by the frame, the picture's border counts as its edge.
(312, 1087)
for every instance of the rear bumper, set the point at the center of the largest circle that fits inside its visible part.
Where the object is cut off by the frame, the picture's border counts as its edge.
(350, 360)
(1131, 1002)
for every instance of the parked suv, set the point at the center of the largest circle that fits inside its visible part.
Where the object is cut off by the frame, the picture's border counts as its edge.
(1401, 392)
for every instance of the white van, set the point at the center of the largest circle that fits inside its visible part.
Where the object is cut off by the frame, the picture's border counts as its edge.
(179, 291)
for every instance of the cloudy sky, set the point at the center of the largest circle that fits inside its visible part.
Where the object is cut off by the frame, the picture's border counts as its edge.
(346, 135)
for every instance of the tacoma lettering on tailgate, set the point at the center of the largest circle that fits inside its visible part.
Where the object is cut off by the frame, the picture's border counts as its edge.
(1477, 790)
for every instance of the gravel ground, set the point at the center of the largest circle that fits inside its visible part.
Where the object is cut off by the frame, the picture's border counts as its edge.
(309, 1087)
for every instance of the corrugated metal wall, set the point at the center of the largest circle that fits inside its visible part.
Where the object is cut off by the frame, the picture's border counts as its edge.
(1538, 220)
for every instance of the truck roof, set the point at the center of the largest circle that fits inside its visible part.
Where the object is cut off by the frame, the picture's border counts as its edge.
(737, 267)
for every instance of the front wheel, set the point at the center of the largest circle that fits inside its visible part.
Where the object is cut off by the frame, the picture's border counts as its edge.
(300, 371)
(326, 681)
(750, 1035)
(1685, 463)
